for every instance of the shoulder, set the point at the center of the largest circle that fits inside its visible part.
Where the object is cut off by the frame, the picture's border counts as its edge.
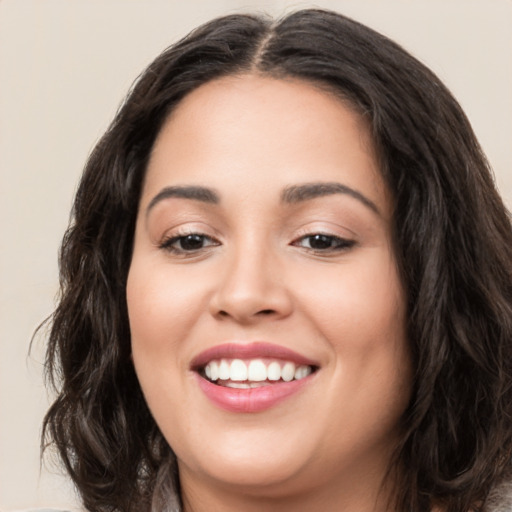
(500, 499)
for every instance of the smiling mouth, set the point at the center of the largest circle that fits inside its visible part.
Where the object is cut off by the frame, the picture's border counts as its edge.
(253, 373)
(252, 377)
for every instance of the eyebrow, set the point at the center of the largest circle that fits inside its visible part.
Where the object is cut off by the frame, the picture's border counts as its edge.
(308, 191)
(291, 194)
(197, 193)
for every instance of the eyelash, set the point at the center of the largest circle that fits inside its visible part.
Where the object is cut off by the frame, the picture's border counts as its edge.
(336, 244)
(170, 244)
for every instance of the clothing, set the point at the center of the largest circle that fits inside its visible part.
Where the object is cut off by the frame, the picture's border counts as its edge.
(500, 500)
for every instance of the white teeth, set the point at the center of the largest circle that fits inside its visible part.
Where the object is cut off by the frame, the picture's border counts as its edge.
(302, 371)
(238, 370)
(224, 370)
(238, 374)
(214, 370)
(238, 385)
(246, 385)
(257, 371)
(259, 384)
(288, 372)
(274, 371)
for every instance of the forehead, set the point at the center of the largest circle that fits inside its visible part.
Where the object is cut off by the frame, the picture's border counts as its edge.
(266, 132)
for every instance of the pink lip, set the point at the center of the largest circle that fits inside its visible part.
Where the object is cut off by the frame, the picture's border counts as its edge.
(250, 400)
(254, 399)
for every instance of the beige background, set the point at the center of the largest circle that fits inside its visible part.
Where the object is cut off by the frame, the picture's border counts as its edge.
(64, 67)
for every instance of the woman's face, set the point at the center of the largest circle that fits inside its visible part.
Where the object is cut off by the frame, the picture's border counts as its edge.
(266, 313)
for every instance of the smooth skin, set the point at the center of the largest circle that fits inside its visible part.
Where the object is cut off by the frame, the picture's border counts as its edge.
(315, 273)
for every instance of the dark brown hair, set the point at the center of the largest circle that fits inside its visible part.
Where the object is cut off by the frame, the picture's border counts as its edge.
(453, 242)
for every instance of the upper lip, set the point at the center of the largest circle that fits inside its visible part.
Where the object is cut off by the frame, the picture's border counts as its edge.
(253, 350)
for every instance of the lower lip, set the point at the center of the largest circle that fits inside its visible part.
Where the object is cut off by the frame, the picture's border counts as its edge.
(253, 399)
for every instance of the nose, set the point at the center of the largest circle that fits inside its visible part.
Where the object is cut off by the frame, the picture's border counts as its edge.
(251, 288)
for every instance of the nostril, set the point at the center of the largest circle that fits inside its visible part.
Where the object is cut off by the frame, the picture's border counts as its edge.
(263, 312)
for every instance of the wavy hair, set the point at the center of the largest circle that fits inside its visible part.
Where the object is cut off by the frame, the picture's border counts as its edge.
(453, 243)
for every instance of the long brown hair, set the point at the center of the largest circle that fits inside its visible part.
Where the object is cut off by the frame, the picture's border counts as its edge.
(453, 242)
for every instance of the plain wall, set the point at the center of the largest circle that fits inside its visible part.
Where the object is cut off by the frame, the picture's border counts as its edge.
(65, 66)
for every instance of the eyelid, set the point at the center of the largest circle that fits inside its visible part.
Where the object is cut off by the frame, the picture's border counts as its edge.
(185, 228)
(327, 228)
(168, 239)
(171, 236)
(344, 244)
(168, 245)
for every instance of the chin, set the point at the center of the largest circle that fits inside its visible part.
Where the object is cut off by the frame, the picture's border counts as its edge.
(253, 464)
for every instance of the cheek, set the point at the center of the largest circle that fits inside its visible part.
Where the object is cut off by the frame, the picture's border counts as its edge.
(360, 304)
(162, 305)
(163, 310)
(360, 313)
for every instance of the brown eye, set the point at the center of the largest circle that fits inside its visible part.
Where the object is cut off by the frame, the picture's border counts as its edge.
(323, 243)
(189, 243)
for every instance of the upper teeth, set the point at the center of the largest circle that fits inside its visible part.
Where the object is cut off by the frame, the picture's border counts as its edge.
(255, 370)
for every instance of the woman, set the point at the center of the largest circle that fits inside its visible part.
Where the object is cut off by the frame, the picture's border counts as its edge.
(287, 285)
